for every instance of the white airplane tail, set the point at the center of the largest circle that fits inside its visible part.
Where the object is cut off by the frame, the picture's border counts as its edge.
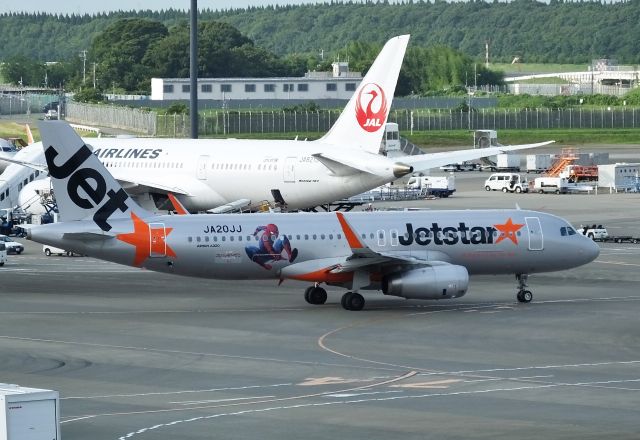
(361, 123)
(83, 187)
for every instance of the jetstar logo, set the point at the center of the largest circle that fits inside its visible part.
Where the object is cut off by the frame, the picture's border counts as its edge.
(371, 117)
(147, 240)
(451, 235)
(93, 186)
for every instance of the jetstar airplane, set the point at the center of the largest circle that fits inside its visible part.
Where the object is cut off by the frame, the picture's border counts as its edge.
(418, 255)
(208, 173)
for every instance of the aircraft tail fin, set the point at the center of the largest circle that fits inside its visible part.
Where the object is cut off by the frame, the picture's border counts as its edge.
(361, 123)
(83, 187)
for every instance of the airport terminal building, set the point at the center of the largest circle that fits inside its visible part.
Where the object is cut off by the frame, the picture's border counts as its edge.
(338, 84)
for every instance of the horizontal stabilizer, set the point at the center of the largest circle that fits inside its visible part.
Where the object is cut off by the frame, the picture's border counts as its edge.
(86, 236)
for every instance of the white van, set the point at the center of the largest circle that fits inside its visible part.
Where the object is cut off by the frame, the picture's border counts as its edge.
(506, 182)
(3, 254)
(557, 185)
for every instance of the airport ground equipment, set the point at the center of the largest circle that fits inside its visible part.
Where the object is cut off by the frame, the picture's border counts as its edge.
(29, 413)
(556, 185)
(506, 182)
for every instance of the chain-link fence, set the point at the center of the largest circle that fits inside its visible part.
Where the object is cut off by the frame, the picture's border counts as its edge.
(229, 123)
(238, 122)
(131, 119)
(24, 103)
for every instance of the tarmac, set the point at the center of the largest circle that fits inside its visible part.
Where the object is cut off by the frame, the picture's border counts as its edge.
(140, 355)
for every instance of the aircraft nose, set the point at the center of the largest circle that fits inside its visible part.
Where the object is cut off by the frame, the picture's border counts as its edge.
(589, 250)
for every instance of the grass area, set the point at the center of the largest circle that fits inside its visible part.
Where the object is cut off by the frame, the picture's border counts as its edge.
(13, 130)
(458, 138)
(537, 67)
(506, 137)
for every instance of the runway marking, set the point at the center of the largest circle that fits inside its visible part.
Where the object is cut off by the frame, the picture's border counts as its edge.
(199, 402)
(344, 395)
(315, 381)
(208, 390)
(280, 399)
(432, 384)
(368, 400)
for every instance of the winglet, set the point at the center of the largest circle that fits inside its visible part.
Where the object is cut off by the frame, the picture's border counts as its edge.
(179, 207)
(349, 233)
(29, 134)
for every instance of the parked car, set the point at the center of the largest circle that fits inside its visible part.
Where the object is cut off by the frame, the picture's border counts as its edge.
(51, 114)
(50, 106)
(12, 246)
(506, 182)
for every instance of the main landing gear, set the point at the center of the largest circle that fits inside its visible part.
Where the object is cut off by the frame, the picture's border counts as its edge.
(524, 295)
(315, 295)
(352, 301)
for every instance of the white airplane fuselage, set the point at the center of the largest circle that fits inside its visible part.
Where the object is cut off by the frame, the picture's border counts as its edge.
(209, 173)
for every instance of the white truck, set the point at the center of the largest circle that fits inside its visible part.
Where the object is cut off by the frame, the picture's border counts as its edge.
(556, 185)
(506, 182)
(594, 232)
(439, 186)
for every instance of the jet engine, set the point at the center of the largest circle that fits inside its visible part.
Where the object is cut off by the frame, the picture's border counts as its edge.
(433, 282)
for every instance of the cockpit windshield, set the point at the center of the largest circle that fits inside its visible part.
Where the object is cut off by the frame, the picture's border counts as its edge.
(567, 230)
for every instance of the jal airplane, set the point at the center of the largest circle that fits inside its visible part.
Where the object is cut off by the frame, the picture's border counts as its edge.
(208, 173)
(417, 255)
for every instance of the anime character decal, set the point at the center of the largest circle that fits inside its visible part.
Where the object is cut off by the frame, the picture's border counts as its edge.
(270, 247)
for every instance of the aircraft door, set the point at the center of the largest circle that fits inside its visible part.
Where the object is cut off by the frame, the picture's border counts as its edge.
(201, 170)
(157, 240)
(290, 169)
(534, 229)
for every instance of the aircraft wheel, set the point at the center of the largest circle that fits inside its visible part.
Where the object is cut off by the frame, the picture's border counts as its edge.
(307, 294)
(47, 252)
(525, 296)
(317, 296)
(353, 301)
(345, 299)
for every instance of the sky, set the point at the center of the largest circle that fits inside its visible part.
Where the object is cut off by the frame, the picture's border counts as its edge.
(93, 6)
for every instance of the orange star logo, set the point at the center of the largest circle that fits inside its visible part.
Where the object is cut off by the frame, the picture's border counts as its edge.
(147, 240)
(508, 230)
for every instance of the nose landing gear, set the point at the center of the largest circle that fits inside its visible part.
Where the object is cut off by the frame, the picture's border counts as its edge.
(524, 295)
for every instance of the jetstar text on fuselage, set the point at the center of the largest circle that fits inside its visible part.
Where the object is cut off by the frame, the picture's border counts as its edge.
(128, 153)
(447, 235)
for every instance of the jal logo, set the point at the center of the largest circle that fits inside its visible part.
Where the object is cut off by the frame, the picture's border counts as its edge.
(92, 184)
(371, 107)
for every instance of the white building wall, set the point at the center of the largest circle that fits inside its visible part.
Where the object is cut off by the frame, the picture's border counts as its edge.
(256, 88)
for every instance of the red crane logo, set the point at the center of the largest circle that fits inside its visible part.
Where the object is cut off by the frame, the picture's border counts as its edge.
(371, 120)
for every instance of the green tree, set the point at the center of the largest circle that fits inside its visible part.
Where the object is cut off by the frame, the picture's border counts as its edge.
(20, 70)
(119, 51)
(89, 95)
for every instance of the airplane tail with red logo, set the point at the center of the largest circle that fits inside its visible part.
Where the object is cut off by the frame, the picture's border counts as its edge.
(361, 123)
(83, 187)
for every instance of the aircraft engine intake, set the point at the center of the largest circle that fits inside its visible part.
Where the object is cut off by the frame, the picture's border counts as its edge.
(434, 282)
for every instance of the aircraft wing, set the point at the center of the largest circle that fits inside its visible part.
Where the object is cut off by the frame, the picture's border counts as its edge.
(35, 166)
(427, 161)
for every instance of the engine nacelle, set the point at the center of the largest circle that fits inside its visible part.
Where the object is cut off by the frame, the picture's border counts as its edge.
(434, 282)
